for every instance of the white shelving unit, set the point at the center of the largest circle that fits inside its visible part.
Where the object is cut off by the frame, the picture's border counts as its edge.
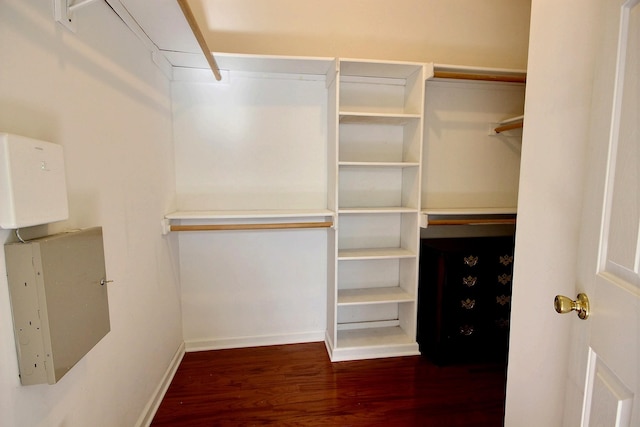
(376, 109)
(271, 175)
(472, 145)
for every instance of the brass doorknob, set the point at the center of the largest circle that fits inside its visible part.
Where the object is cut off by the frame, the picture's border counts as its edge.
(564, 304)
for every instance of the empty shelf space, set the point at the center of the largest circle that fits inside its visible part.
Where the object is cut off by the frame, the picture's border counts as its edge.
(470, 211)
(373, 296)
(380, 164)
(471, 216)
(500, 75)
(377, 210)
(377, 118)
(374, 253)
(379, 69)
(371, 337)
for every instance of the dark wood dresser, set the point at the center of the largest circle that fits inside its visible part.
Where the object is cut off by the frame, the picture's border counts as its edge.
(465, 298)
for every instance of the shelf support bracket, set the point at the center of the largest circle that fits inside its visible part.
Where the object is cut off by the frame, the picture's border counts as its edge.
(64, 12)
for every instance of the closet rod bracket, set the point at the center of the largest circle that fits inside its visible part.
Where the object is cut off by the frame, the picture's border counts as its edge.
(165, 225)
(64, 12)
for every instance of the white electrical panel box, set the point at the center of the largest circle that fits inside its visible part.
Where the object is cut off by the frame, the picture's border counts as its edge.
(58, 291)
(33, 188)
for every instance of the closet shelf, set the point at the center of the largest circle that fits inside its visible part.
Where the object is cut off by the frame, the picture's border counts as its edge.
(467, 216)
(377, 210)
(250, 214)
(397, 119)
(380, 164)
(373, 296)
(248, 220)
(499, 75)
(366, 343)
(374, 253)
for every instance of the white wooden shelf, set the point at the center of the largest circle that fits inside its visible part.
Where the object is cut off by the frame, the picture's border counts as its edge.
(369, 343)
(373, 296)
(377, 118)
(248, 220)
(380, 70)
(460, 72)
(467, 216)
(377, 210)
(250, 214)
(275, 64)
(471, 211)
(512, 120)
(380, 164)
(374, 253)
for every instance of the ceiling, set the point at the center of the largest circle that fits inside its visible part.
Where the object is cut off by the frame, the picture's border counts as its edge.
(489, 33)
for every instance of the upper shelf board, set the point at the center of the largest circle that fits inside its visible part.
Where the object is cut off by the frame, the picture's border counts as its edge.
(381, 69)
(468, 216)
(251, 214)
(377, 118)
(471, 211)
(505, 75)
(274, 64)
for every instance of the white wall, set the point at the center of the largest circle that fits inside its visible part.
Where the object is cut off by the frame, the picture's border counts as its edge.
(481, 33)
(464, 163)
(98, 94)
(252, 142)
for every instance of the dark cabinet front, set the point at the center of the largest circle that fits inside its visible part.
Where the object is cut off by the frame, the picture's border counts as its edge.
(465, 298)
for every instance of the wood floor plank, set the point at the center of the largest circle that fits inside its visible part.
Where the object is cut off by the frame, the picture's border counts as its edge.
(293, 385)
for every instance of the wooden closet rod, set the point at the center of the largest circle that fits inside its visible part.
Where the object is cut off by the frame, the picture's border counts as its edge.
(272, 226)
(494, 221)
(509, 126)
(191, 19)
(477, 76)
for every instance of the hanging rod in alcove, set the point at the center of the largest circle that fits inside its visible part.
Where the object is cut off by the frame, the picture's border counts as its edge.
(510, 126)
(269, 226)
(460, 75)
(488, 221)
(195, 28)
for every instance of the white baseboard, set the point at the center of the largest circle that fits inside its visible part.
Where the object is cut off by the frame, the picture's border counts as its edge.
(154, 403)
(255, 341)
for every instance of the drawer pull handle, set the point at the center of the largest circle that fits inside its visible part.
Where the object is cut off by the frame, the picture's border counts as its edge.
(466, 330)
(468, 304)
(506, 259)
(504, 278)
(503, 299)
(469, 281)
(502, 323)
(471, 260)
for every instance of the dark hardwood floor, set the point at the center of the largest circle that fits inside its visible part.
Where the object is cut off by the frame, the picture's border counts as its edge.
(298, 385)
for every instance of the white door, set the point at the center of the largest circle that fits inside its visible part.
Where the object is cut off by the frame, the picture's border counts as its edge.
(582, 119)
(609, 259)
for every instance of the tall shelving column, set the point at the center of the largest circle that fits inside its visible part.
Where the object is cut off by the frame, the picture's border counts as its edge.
(376, 109)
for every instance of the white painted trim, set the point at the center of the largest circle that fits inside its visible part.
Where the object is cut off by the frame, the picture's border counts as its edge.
(132, 24)
(255, 341)
(154, 403)
(374, 352)
(328, 343)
